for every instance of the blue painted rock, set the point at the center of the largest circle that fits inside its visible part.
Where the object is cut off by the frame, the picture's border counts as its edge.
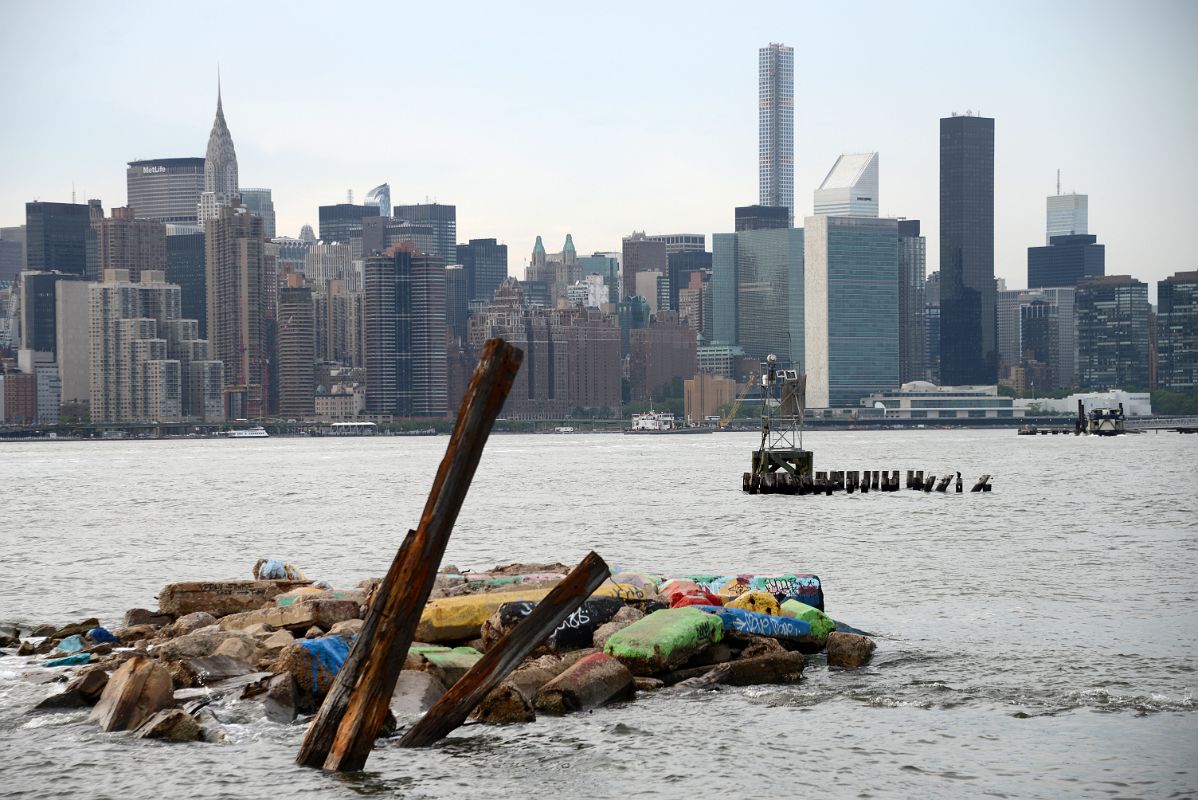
(788, 631)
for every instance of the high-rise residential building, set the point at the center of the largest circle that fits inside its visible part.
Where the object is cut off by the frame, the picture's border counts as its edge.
(662, 351)
(681, 242)
(457, 300)
(590, 292)
(755, 218)
(1065, 261)
(165, 189)
(680, 267)
(571, 356)
(18, 398)
(641, 254)
(73, 340)
(147, 364)
(932, 327)
(12, 252)
(380, 196)
(327, 261)
(186, 268)
(485, 263)
(1112, 333)
(297, 351)
(49, 388)
(220, 169)
(607, 266)
(1039, 328)
(56, 237)
(380, 234)
(851, 309)
(913, 335)
(338, 324)
(131, 244)
(1056, 347)
(694, 301)
(775, 126)
(1177, 332)
(1067, 215)
(39, 309)
(850, 188)
(343, 222)
(260, 204)
(1007, 304)
(757, 293)
(405, 335)
(968, 351)
(443, 219)
(240, 287)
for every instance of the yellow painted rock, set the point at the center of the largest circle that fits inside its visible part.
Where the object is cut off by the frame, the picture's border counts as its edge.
(451, 619)
(624, 591)
(761, 602)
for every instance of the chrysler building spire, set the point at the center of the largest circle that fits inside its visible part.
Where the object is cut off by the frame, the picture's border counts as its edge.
(220, 165)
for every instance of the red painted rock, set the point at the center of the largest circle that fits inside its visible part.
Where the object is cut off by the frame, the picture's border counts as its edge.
(137, 690)
(592, 681)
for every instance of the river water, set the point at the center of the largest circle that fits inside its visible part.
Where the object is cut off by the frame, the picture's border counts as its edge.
(1037, 641)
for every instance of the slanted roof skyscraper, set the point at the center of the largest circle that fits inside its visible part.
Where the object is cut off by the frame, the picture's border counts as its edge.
(851, 188)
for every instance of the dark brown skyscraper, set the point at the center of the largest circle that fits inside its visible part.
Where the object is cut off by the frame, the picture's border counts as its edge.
(131, 244)
(239, 297)
(641, 254)
(297, 351)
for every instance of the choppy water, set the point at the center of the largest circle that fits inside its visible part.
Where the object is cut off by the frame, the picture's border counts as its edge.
(1037, 641)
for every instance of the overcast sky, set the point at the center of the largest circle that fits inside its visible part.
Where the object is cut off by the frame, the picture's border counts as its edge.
(598, 119)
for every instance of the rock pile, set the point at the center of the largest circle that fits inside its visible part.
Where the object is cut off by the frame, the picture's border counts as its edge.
(281, 643)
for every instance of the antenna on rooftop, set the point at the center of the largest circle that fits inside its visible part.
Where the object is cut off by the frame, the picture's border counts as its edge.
(1058, 180)
(72, 193)
(349, 196)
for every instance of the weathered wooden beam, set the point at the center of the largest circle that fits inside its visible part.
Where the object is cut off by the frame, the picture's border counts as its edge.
(357, 712)
(498, 662)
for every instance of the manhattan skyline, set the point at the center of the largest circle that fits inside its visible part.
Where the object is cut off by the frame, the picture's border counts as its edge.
(545, 122)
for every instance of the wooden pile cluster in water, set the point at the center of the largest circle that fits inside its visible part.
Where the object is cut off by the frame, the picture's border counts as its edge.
(785, 482)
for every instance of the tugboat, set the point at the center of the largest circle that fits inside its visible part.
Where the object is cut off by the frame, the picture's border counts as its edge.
(1100, 421)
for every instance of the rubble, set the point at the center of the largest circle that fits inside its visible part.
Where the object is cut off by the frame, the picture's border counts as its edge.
(154, 674)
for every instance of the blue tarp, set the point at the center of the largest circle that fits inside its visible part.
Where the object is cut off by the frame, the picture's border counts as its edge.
(70, 661)
(329, 652)
(100, 635)
(278, 570)
(71, 644)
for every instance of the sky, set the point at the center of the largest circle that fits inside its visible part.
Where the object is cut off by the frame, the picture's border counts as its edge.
(600, 119)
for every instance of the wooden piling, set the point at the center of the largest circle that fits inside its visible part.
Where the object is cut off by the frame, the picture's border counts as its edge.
(343, 732)
(873, 480)
(505, 655)
(942, 486)
(982, 482)
(910, 478)
(929, 483)
(918, 480)
(864, 486)
(894, 480)
(960, 488)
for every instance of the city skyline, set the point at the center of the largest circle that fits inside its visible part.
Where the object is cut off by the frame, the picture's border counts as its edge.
(641, 159)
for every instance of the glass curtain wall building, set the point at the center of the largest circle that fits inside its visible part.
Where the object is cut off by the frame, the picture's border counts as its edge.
(968, 351)
(852, 309)
(757, 279)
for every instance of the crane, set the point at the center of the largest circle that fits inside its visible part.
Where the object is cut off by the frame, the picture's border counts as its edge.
(732, 412)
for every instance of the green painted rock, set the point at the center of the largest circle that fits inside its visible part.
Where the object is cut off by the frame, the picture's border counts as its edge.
(821, 624)
(450, 665)
(664, 639)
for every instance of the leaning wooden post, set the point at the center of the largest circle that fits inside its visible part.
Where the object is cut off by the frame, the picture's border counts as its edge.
(343, 732)
(505, 655)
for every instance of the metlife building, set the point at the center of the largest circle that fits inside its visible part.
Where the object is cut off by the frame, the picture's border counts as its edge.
(165, 189)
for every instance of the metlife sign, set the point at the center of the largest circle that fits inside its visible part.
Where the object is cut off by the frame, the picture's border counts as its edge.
(152, 170)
